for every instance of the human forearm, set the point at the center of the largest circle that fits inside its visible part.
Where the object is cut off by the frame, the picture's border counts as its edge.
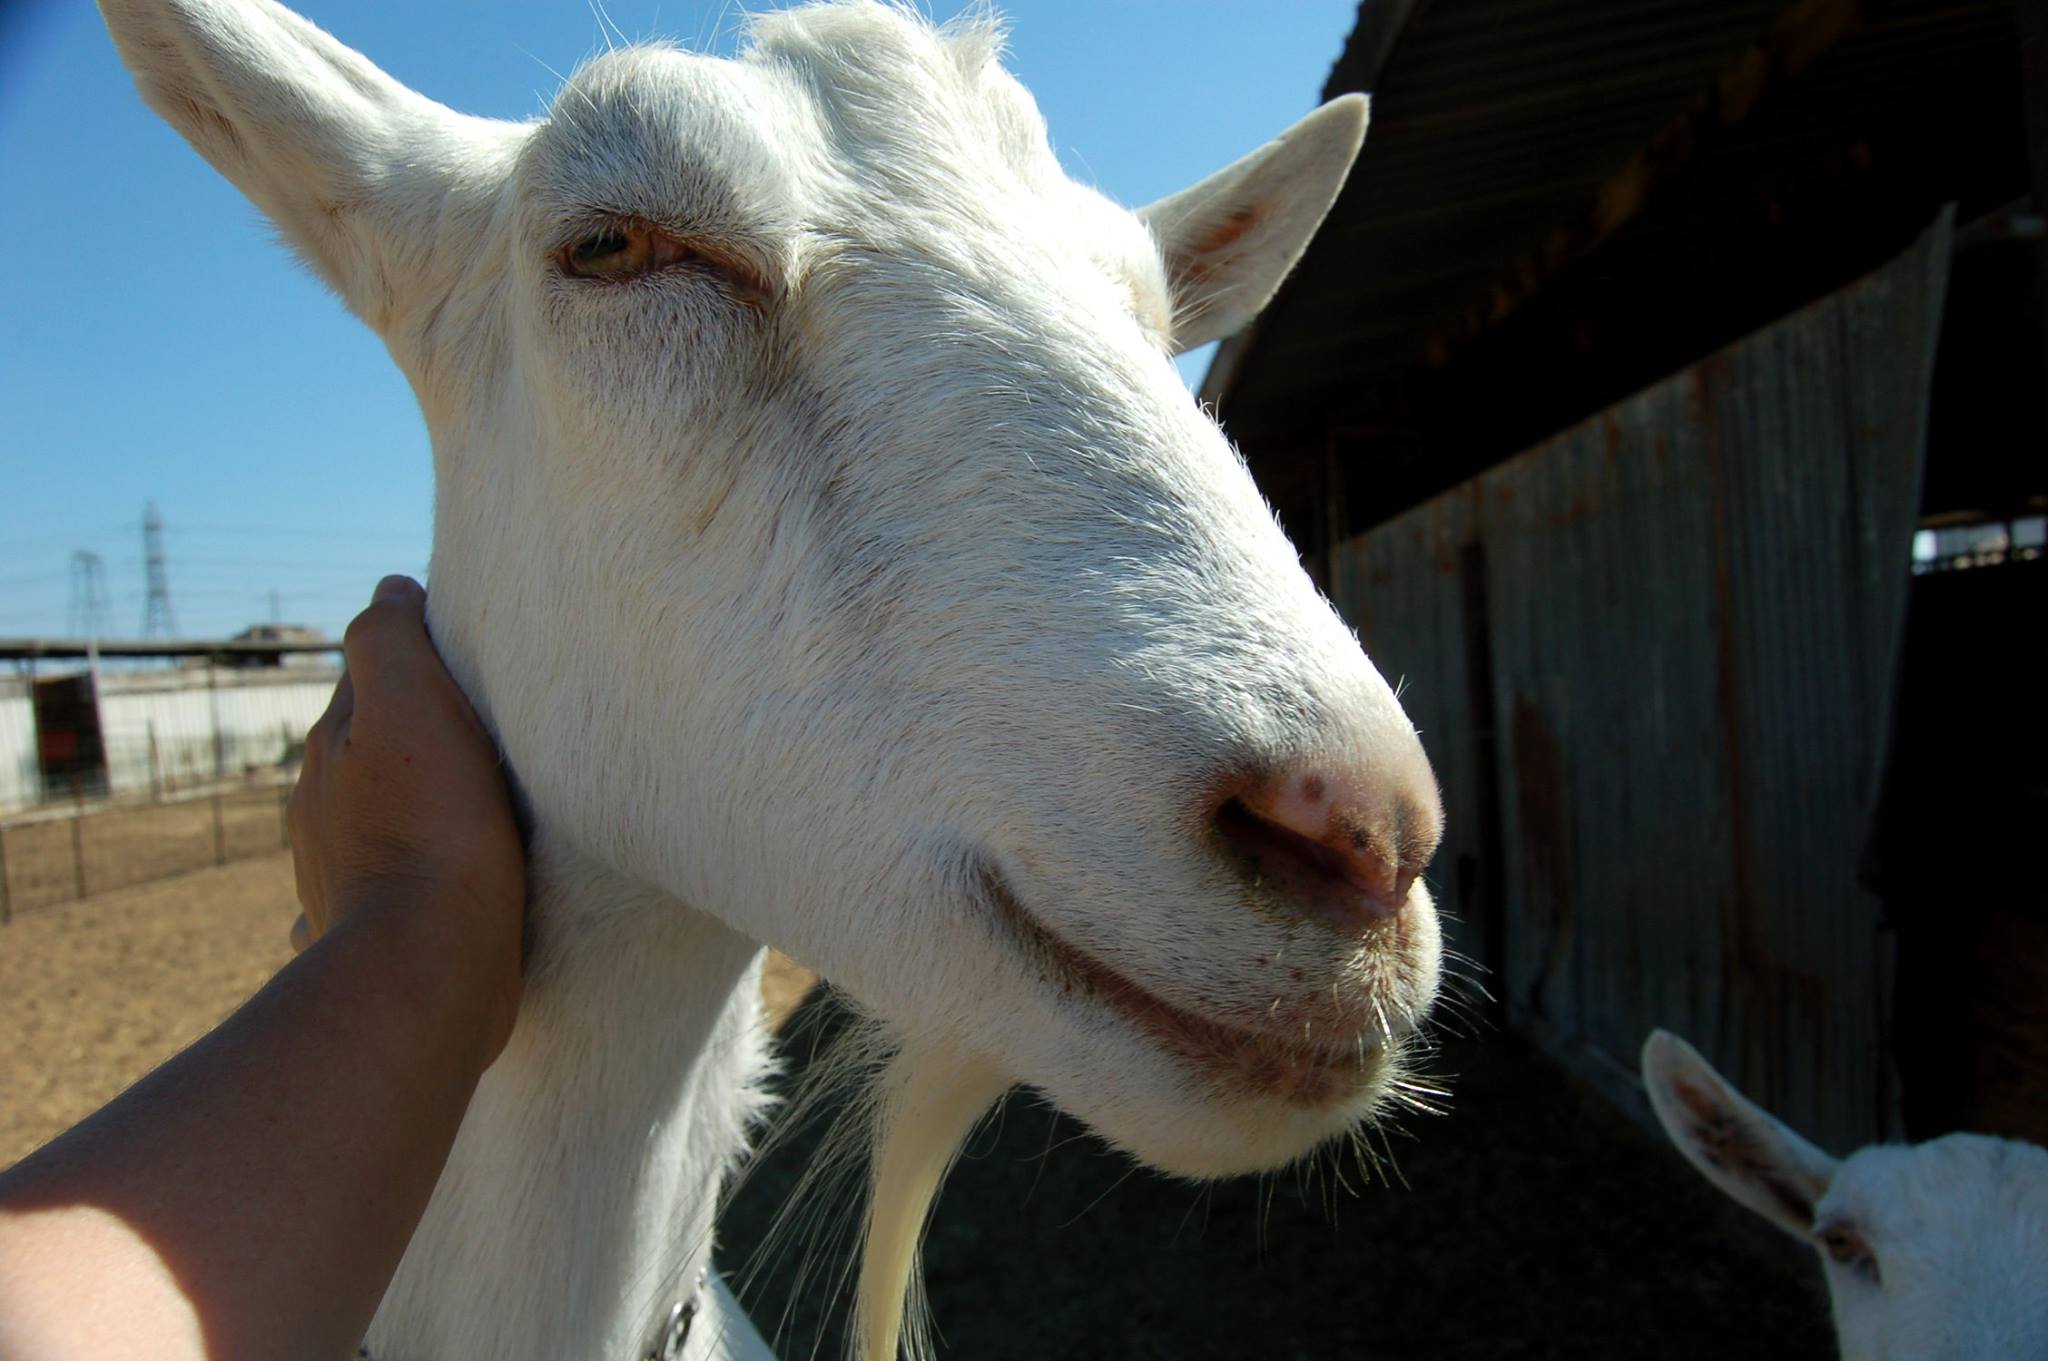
(252, 1197)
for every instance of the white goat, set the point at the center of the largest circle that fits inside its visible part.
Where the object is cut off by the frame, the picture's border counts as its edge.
(1933, 1252)
(825, 534)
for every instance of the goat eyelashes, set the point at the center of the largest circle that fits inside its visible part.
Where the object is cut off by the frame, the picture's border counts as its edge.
(622, 250)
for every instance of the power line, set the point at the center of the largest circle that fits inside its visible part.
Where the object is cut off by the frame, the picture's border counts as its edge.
(273, 532)
(37, 579)
(277, 564)
(254, 593)
(70, 536)
(91, 533)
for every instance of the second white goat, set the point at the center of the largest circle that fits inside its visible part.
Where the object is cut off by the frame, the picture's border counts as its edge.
(1933, 1252)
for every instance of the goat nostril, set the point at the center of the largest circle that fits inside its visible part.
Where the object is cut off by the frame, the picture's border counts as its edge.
(1323, 855)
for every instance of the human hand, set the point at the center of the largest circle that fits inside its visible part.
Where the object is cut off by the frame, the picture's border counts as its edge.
(253, 1196)
(401, 810)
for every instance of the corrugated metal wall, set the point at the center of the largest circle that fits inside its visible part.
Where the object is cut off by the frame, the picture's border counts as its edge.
(1651, 658)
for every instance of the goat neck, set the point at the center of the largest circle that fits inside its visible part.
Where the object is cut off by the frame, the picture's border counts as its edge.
(578, 1200)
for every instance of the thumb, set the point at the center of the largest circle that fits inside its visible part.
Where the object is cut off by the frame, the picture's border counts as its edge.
(384, 643)
(399, 589)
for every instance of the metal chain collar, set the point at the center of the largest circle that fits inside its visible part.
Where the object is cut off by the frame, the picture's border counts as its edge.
(668, 1341)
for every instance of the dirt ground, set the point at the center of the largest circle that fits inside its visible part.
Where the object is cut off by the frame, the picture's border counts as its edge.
(94, 994)
(1530, 1222)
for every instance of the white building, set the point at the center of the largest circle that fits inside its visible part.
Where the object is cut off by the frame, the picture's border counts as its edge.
(158, 728)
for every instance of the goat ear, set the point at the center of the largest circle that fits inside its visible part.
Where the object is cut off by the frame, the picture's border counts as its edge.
(1735, 1144)
(1231, 239)
(353, 167)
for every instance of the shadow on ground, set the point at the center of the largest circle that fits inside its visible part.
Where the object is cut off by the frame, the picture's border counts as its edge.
(1535, 1221)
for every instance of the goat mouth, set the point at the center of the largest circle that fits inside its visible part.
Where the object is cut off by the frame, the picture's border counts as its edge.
(1241, 1061)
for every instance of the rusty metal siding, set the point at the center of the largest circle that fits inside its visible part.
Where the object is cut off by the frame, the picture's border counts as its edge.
(1692, 604)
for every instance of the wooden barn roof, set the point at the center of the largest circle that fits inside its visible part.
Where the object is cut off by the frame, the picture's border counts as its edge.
(1559, 201)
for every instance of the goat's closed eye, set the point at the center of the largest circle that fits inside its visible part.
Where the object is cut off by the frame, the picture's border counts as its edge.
(1844, 1245)
(624, 250)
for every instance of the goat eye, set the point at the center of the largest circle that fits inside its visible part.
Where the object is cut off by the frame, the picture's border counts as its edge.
(622, 251)
(600, 253)
(1847, 1247)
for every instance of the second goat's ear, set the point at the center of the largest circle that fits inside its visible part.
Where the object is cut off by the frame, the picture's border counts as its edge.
(354, 168)
(1736, 1144)
(1230, 240)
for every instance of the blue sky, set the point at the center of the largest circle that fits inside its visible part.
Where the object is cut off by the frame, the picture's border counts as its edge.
(157, 344)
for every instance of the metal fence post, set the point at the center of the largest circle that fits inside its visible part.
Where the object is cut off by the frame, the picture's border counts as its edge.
(36, 718)
(156, 767)
(220, 838)
(220, 764)
(78, 834)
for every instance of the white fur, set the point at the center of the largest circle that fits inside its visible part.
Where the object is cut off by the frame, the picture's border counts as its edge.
(807, 591)
(1956, 1229)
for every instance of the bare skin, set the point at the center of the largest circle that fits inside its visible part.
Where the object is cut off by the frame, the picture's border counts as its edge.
(252, 1197)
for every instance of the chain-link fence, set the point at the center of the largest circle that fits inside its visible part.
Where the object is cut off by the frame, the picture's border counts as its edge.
(53, 856)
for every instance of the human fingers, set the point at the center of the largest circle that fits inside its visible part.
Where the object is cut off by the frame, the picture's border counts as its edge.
(386, 646)
(404, 691)
(306, 811)
(416, 786)
(403, 805)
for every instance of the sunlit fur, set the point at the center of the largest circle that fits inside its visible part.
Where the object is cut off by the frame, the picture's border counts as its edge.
(867, 575)
(1948, 1256)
